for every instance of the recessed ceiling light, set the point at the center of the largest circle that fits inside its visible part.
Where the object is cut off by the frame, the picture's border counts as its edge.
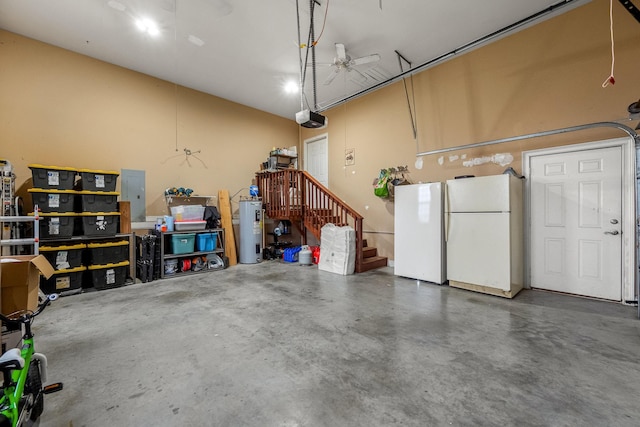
(147, 26)
(291, 87)
(116, 5)
(195, 40)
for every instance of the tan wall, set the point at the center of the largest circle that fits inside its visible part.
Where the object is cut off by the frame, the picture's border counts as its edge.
(61, 108)
(546, 77)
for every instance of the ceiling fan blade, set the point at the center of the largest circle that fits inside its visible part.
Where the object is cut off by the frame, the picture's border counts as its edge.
(357, 77)
(332, 76)
(365, 59)
(341, 52)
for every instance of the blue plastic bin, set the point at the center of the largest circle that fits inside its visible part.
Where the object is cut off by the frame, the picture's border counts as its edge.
(291, 254)
(206, 241)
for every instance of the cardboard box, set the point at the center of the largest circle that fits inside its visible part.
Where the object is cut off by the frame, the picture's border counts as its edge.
(20, 280)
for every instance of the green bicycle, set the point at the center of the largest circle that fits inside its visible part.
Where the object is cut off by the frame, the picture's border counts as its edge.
(24, 372)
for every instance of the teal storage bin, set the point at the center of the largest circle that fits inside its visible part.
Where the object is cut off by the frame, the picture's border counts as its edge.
(183, 243)
(207, 241)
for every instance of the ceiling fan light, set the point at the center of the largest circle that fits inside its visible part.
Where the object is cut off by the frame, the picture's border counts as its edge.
(147, 26)
(291, 87)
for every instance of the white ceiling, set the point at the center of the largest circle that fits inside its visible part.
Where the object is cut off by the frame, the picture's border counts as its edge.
(251, 46)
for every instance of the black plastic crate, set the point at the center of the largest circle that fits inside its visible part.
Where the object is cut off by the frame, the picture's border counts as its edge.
(63, 257)
(56, 177)
(96, 201)
(145, 247)
(99, 223)
(97, 180)
(108, 252)
(63, 282)
(48, 200)
(109, 275)
(144, 270)
(56, 225)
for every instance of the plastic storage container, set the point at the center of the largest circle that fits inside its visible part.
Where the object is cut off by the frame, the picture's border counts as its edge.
(56, 224)
(99, 223)
(189, 225)
(183, 243)
(108, 252)
(96, 201)
(171, 266)
(187, 213)
(63, 282)
(56, 177)
(64, 257)
(206, 241)
(108, 275)
(97, 180)
(49, 200)
(291, 254)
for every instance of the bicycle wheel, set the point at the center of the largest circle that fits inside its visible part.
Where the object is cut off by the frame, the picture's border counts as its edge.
(33, 386)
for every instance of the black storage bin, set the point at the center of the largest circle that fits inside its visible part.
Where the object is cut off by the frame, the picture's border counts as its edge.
(63, 282)
(55, 177)
(96, 201)
(63, 257)
(54, 225)
(108, 275)
(144, 271)
(48, 200)
(99, 223)
(97, 180)
(108, 252)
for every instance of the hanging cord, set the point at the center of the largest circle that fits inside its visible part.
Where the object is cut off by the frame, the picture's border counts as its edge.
(300, 56)
(324, 22)
(303, 64)
(611, 79)
(312, 46)
(410, 103)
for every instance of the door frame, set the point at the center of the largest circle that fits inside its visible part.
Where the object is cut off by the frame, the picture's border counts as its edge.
(628, 221)
(311, 140)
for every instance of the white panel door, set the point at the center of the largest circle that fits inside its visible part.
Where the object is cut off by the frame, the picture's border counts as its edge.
(418, 232)
(316, 158)
(478, 249)
(576, 210)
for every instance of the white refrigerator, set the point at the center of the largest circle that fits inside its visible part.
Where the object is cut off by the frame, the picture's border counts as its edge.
(419, 232)
(484, 234)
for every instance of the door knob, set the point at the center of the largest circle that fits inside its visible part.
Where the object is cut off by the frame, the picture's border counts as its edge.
(614, 221)
(613, 233)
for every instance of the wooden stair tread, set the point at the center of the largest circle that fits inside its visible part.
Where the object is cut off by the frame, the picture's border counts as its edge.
(369, 252)
(373, 263)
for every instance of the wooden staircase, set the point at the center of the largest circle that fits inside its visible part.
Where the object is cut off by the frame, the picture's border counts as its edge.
(298, 197)
(370, 258)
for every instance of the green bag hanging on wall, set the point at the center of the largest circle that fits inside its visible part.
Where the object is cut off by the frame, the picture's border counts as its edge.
(380, 189)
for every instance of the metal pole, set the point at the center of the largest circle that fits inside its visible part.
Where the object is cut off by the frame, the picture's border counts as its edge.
(624, 128)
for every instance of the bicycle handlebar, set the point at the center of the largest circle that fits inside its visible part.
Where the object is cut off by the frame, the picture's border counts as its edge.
(27, 315)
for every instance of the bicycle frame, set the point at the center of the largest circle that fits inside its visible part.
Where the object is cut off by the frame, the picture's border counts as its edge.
(15, 407)
(10, 401)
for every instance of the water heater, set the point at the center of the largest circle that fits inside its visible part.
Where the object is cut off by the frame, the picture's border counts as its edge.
(250, 230)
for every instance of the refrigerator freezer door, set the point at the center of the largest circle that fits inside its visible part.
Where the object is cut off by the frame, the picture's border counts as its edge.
(481, 194)
(418, 235)
(478, 249)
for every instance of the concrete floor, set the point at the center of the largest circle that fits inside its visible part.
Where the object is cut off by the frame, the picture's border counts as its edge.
(278, 344)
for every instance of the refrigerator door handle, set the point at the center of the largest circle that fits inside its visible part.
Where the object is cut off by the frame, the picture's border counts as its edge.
(446, 213)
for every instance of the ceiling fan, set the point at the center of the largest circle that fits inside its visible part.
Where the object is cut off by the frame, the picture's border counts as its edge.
(343, 62)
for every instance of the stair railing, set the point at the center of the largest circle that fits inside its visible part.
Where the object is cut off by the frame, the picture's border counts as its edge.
(297, 196)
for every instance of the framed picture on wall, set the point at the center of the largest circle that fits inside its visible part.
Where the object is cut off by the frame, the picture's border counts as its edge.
(350, 156)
